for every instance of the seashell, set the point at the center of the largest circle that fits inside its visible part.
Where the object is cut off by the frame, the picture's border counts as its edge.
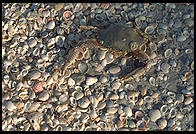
(71, 82)
(32, 42)
(73, 101)
(27, 105)
(172, 112)
(149, 29)
(60, 41)
(58, 128)
(10, 106)
(148, 99)
(93, 114)
(14, 70)
(99, 17)
(168, 53)
(171, 94)
(36, 51)
(63, 98)
(99, 96)
(91, 80)
(127, 111)
(101, 105)
(34, 75)
(68, 15)
(152, 81)
(24, 72)
(84, 102)
(141, 125)
(51, 25)
(188, 51)
(43, 96)
(133, 45)
(41, 69)
(79, 95)
(82, 67)
(164, 109)
(19, 86)
(139, 115)
(84, 118)
(37, 87)
(49, 81)
(78, 7)
(50, 43)
(112, 110)
(181, 38)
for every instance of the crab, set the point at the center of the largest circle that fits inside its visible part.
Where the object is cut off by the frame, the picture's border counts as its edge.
(120, 40)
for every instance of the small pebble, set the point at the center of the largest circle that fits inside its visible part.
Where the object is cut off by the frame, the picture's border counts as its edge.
(154, 115)
(71, 82)
(114, 70)
(44, 96)
(91, 80)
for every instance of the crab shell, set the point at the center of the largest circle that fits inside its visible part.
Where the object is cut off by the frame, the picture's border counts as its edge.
(122, 38)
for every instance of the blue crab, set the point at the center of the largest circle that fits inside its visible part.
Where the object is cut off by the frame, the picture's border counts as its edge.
(120, 40)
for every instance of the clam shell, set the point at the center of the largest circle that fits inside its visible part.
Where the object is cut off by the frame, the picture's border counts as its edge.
(172, 112)
(148, 99)
(164, 109)
(149, 29)
(36, 51)
(60, 41)
(24, 72)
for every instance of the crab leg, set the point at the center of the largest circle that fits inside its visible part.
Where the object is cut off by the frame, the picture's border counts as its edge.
(149, 63)
(73, 55)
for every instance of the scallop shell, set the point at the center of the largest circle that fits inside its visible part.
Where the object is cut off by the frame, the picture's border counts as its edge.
(67, 15)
